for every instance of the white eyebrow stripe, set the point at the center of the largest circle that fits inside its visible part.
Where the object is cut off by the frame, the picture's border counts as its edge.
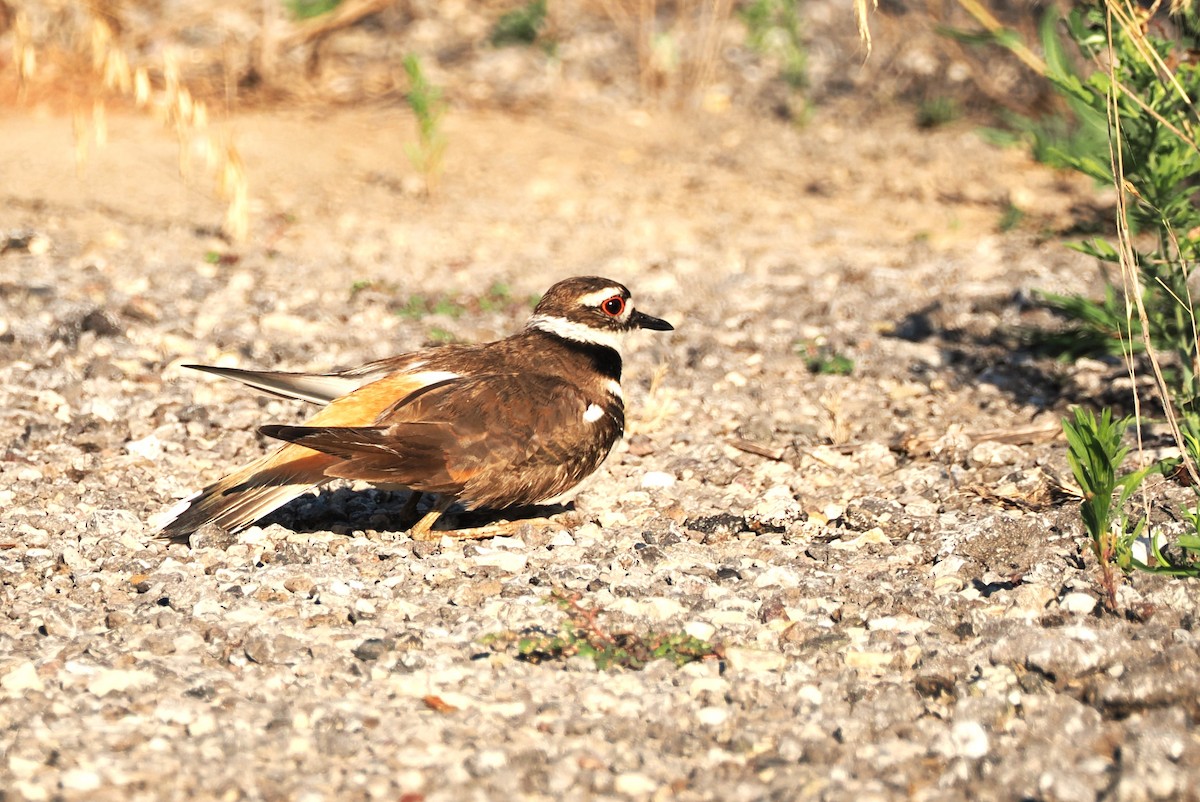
(599, 296)
(614, 387)
(576, 332)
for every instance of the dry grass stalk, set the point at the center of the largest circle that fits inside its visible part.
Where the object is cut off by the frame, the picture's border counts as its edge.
(24, 53)
(635, 21)
(861, 12)
(235, 189)
(705, 42)
(685, 54)
(1130, 273)
(174, 105)
(988, 20)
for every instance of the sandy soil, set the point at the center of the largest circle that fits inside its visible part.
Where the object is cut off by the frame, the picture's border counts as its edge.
(904, 603)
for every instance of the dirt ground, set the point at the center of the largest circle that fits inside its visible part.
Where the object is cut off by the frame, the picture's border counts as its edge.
(904, 605)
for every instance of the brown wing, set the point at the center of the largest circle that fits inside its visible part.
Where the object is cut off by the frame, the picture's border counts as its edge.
(244, 496)
(494, 440)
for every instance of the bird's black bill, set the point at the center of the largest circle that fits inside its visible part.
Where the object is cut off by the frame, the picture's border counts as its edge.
(644, 321)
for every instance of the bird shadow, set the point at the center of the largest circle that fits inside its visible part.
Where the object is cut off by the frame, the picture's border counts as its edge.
(343, 510)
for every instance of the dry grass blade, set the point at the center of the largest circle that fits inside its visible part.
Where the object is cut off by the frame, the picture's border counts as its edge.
(861, 13)
(684, 54)
(705, 42)
(24, 53)
(988, 20)
(750, 447)
(1021, 435)
(104, 72)
(1130, 274)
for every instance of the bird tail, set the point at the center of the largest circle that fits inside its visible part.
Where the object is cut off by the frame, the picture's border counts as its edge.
(242, 497)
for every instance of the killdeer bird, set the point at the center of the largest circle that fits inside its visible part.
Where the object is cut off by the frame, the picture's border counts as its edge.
(515, 422)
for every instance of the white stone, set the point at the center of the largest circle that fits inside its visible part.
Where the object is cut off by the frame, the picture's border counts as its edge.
(832, 511)
(30, 791)
(874, 536)
(21, 679)
(1078, 602)
(23, 768)
(742, 659)
(712, 716)
(655, 608)
(811, 694)
(364, 607)
(561, 538)
(777, 507)
(635, 784)
(150, 448)
(510, 561)
(657, 480)
(112, 680)
(778, 575)
(900, 623)
(700, 630)
(205, 724)
(992, 453)
(80, 780)
(969, 739)
(491, 759)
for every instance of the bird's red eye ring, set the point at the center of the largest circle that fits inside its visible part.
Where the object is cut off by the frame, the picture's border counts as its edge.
(614, 306)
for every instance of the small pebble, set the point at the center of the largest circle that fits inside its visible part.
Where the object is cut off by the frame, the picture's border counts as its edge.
(969, 739)
(657, 480)
(21, 679)
(1078, 602)
(634, 784)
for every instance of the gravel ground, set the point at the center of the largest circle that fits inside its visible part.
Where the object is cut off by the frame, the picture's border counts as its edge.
(886, 559)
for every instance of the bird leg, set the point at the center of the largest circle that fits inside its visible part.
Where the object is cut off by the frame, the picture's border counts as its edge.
(421, 529)
(410, 507)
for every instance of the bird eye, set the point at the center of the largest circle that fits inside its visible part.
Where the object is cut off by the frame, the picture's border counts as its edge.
(614, 306)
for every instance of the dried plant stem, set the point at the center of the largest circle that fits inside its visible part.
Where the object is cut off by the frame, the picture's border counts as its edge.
(697, 29)
(175, 106)
(1130, 275)
(861, 12)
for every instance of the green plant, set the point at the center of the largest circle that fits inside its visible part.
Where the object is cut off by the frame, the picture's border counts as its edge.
(306, 9)
(821, 359)
(520, 26)
(415, 308)
(1095, 454)
(1057, 138)
(1140, 89)
(774, 29)
(1158, 163)
(581, 634)
(360, 285)
(496, 298)
(938, 111)
(418, 306)
(1095, 327)
(1010, 218)
(425, 101)
(448, 307)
